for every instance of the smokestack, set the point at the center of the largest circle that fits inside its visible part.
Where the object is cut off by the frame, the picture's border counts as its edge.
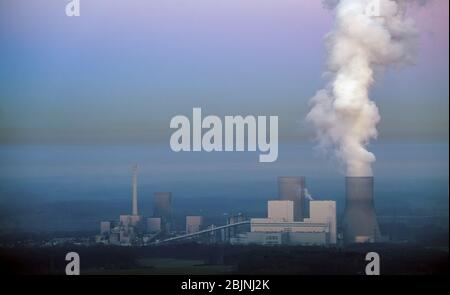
(134, 191)
(360, 221)
(293, 189)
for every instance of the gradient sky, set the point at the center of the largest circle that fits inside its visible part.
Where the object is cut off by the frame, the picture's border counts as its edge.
(123, 69)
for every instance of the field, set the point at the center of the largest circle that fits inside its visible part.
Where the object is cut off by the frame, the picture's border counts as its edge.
(166, 266)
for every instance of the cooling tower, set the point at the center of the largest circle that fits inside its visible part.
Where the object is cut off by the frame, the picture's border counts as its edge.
(360, 221)
(293, 189)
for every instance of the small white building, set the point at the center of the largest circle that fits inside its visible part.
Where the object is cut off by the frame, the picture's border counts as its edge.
(325, 212)
(281, 210)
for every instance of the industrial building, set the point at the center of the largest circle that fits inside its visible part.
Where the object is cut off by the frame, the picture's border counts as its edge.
(287, 222)
(130, 220)
(281, 210)
(193, 224)
(153, 224)
(234, 231)
(131, 229)
(280, 226)
(324, 212)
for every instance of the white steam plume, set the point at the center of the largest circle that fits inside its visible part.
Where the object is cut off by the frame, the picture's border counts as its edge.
(344, 116)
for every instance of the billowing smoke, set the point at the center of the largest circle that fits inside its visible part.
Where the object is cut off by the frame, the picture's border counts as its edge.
(367, 34)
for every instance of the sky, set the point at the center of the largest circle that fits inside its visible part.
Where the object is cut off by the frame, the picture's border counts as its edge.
(124, 68)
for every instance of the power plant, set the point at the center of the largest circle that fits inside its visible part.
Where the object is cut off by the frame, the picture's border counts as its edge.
(287, 221)
(280, 227)
(360, 222)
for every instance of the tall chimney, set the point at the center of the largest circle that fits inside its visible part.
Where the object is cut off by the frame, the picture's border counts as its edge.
(360, 222)
(134, 191)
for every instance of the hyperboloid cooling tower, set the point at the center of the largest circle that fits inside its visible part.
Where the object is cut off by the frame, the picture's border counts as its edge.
(360, 222)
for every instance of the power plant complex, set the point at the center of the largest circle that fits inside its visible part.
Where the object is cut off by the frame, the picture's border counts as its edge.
(293, 218)
(280, 226)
